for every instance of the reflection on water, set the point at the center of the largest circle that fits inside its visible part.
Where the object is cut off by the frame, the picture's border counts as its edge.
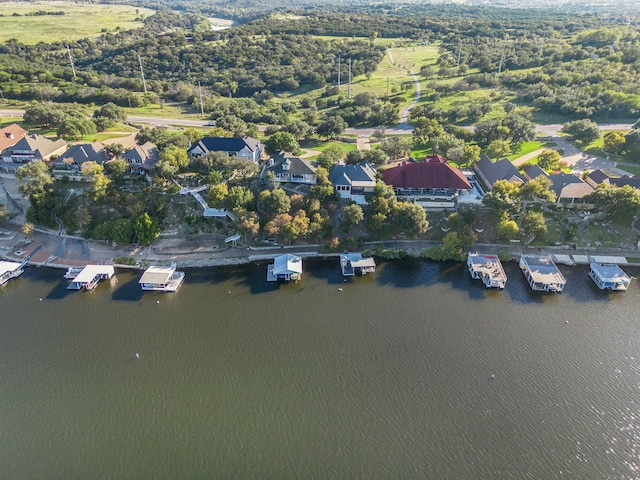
(414, 372)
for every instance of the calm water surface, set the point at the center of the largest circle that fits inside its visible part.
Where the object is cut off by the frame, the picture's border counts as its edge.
(388, 378)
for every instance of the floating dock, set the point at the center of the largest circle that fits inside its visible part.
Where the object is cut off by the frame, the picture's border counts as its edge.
(609, 276)
(161, 279)
(9, 270)
(487, 268)
(285, 268)
(542, 273)
(355, 264)
(89, 276)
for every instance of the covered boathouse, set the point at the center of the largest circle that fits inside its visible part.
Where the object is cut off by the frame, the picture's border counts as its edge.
(542, 273)
(9, 270)
(89, 276)
(487, 268)
(161, 279)
(609, 276)
(285, 268)
(355, 264)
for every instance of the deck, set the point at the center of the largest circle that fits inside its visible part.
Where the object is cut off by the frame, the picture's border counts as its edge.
(542, 273)
(487, 268)
(609, 276)
(9, 270)
(355, 264)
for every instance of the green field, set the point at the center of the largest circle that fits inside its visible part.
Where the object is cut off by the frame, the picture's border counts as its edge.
(79, 20)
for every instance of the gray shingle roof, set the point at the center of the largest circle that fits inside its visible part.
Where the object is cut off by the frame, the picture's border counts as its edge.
(225, 144)
(296, 166)
(499, 170)
(349, 174)
(83, 152)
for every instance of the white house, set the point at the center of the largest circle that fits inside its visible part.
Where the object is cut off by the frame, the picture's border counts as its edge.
(245, 147)
(290, 169)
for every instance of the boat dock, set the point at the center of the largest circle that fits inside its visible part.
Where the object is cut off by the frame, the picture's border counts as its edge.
(355, 264)
(487, 268)
(161, 279)
(89, 276)
(542, 273)
(9, 270)
(285, 268)
(609, 276)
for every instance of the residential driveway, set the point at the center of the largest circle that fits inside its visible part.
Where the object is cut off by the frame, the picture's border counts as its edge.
(581, 161)
(128, 141)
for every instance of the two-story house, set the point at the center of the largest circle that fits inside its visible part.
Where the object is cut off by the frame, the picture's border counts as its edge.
(353, 181)
(245, 147)
(141, 158)
(80, 153)
(32, 148)
(288, 168)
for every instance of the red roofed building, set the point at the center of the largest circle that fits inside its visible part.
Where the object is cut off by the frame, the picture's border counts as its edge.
(431, 177)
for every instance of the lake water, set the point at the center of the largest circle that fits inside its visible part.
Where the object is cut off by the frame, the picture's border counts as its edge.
(415, 372)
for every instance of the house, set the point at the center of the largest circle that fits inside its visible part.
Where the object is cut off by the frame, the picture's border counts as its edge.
(597, 177)
(288, 168)
(353, 181)
(285, 268)
(81, 153)
(245, 147)
(32, 148)
(431, 177)
(569, 188)
(141, 158)
(534, 171)
(10, 135)
(490, 172)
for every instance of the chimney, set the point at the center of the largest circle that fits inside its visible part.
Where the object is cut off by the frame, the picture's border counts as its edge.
(9, 135)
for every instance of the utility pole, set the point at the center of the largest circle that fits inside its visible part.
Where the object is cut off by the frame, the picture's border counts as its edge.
(541, 45)
(200, 92)
(458, 60)
(144, 83)
(504, 45)
(349, 90)
(387, 86)
(73, 68)
(339, 59)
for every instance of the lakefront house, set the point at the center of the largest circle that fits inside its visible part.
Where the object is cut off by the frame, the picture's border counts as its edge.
(241, 147)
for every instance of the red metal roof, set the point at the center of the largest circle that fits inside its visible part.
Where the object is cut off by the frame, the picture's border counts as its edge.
(432, 172)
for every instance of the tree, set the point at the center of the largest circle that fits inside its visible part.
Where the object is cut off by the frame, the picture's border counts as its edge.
(411, 218)
(610, 199)
(330, 156)
(38, 179)
(111, 111)
(521, 127)
(332, 127)
(122, 230)
(323, 188)
(274, 226)
(116, 167)
(239, 197)
(425, 129)
(456, 155)
(584, 131)
(550, 160)
(532, 223)
(274, 202)
(27, 229)
(396, 147)
(503, 197)
(217, 194)
(246, 223)
(507, 228)
(498, 148)
(471, 154)
(538, 188)
(614, 142)
(299, 129)
(74, 128)
(175, 156)
(299, 226)
(3, 213)
(146, 229)
(352, 215)
(114, 150)
(376, 156)
(282, 141)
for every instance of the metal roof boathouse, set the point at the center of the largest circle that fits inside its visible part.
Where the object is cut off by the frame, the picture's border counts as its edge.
(161, 279)
(542, 273)
(355, 264)
(609, 276)
(9, 270)
(89, 277)
(285, 268)
(487, 268)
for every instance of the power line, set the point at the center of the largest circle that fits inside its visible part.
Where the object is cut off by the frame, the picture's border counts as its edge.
(73, 68)
(349, 90)
(200, 91)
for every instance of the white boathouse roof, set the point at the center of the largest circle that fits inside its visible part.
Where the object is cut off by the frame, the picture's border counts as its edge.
(543, 270)
(89, 272)
(610, 273)
(287, 264)
(6, 267)
(157, 275)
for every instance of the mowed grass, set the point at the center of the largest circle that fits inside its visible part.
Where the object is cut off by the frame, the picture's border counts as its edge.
(79, 20)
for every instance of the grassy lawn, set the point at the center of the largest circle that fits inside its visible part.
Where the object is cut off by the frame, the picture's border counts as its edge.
(121, 127)
(79, 20)
(525, 148)
(631, 170)
(315, 144)
(101, 137)
(178, 110)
